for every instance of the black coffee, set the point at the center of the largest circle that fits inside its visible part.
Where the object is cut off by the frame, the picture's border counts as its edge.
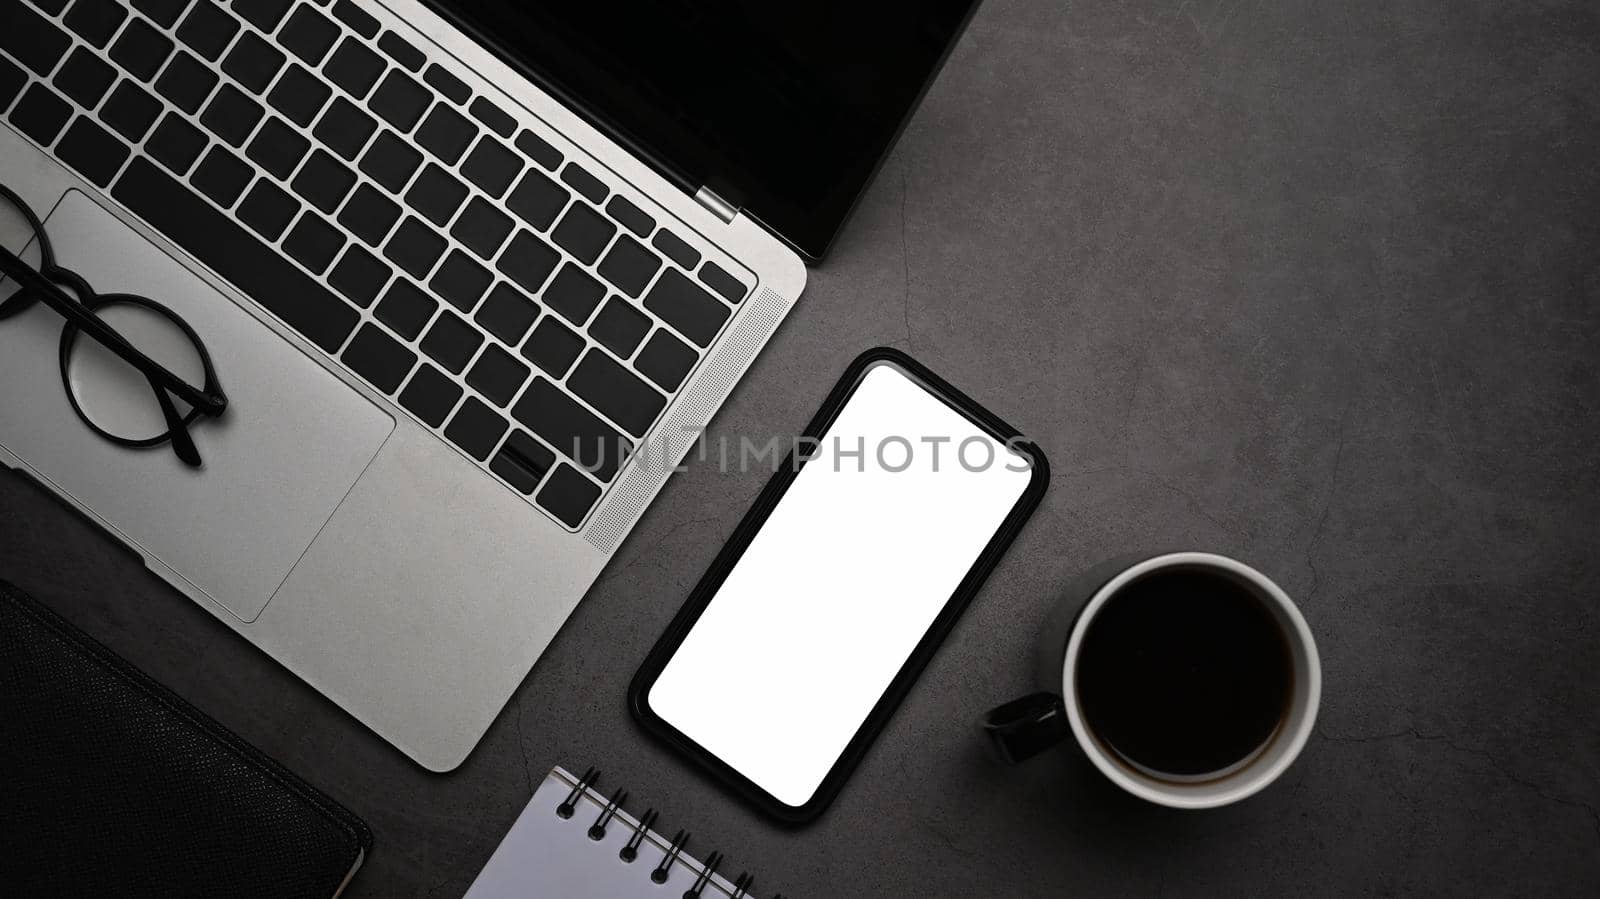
(1184, 672)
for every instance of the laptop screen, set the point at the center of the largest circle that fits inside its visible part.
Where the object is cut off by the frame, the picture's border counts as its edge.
(782, 108)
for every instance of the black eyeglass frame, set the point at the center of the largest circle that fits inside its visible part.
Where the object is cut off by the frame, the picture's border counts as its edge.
(44, 285)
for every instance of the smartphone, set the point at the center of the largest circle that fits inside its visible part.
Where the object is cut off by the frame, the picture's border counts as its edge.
(839, 584)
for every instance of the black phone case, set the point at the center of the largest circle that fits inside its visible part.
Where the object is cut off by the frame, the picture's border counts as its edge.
(753, 520)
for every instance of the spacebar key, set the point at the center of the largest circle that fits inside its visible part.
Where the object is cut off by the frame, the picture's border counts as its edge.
(236, 254)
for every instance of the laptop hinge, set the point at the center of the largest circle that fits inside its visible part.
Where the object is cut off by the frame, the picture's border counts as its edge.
(719, 207)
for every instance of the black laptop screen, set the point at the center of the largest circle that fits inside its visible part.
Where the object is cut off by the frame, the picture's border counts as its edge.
(784, 107)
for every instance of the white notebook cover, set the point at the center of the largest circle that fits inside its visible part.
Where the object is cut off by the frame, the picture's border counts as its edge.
(546, 855)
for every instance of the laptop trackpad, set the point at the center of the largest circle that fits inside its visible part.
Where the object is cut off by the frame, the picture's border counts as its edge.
(293, 442)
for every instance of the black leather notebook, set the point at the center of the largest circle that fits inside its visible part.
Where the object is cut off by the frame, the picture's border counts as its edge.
(110, 785)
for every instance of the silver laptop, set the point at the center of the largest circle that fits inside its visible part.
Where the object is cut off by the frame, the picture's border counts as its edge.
(472, 275)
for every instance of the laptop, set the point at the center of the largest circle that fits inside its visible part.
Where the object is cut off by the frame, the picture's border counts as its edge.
(473, 274)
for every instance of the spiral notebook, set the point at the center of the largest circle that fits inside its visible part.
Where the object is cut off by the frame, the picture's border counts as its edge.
(577, 843)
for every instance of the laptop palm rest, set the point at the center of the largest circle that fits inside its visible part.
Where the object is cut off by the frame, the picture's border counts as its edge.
(293, 442)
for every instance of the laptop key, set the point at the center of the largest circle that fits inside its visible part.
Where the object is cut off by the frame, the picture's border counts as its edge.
(629, 266)
(369, 215)
(436, 194)
(451, 342)
(95, 20)
(324, 181)
(277, 148)
(231, 115)
(430, 395)
(400, 101)
(359, 20)
(539, 150)
(572, 430)
(568, 495)
(354, 68)
(401, 51)
(685, 306)
(264, 14)
(415, 248)
(313, 242)
(390, 161)
(236, 254)
(493, 117)
(461, 281)
(492, 167)
(553, 347)
(268, 209)
(537, 200)
(253, 62)
(360, 276)
(574, 294)
(522, 462)
(186, 82)
(84, 78)
(482, 228)
(445, 83)
(446, 134)
(619, 394)
(583, 232)
(630, 216)
(619, 327)
(35, 41)
(406, 309)
(528, 261)
(666, 360)
(130, 111)
(40, 114)
(345, 129)
(207, 30)
(378, 358)
(299, 95)
(579, 179)
(309, 35)
(507, 314)
(222, 176)
(166, 12)
(141, 50)
(12, 79)
(497, 375)
(675, 249)
(92, 151)
(476, 428)
(175, 143)
(717, 278)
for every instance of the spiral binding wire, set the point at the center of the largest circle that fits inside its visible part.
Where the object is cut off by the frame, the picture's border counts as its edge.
(630, 852)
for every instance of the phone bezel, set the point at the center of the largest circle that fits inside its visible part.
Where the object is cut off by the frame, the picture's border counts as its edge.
(756, 517)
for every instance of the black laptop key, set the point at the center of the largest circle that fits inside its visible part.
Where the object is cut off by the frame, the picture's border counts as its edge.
(436, 194)
(95, 20)
(451, 342)
(619, 327)
(583, 232)
(630, 216)
(231, 115)
(324, 181)
(12, 78)
(92, 151)
(406, 309)
(400, 101)
(553, 347)
(528, 261)
(277, 148)
(461, 281)
(359, 20)
(574, 293)
(175, 143)
(390, 161)
(264, 14)
(186, 82)
(53, 7)
(130, 111)
(568, 495)
(619, 394)
(345, 129)
(166, 12)
(476, 428)
(207, 30)
(676, 249)
(309, 35)
(401, 51)
(686, 306)
(537, 200)
(221, 176)
(446, 134)
(369, 215)
(572, 430)
(383, 361)
(497, 375)
(35, 41)
(493, 117)
(482, 228)
(522, 462)
(84, 78)
(629, 266)
(236, 254)
(40, 114)
(415, 248)
(507, 314)
(360, 276)
(268, 209)
(299, 95)
(717, 278)
(665, 360)
(539, 150)
(579, 179)
(430, 395)
(354, 68)
(313, 242)
(141, 50)
(445, 83)
(492, 167)
(253, 62)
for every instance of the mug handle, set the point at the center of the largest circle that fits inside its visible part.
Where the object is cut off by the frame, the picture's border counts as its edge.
(1023, 728)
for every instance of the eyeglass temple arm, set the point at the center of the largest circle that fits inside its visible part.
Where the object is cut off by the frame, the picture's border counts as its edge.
(53, 296)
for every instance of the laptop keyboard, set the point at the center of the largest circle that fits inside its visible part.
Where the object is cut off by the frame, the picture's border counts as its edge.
(505, 293)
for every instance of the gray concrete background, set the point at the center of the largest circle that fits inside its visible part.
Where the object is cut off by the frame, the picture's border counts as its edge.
(1313, 284)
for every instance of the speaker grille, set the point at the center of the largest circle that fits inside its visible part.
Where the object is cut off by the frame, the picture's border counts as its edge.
(693, 411)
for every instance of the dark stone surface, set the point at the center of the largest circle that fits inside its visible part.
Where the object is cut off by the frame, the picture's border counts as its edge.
(1313, 284)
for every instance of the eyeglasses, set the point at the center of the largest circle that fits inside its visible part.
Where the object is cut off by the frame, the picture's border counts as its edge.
(34, 277)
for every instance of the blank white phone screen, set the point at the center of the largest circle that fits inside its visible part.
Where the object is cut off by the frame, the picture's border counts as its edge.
(844, 579)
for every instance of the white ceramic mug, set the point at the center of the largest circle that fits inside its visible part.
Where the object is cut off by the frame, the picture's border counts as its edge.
(1026, 726)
